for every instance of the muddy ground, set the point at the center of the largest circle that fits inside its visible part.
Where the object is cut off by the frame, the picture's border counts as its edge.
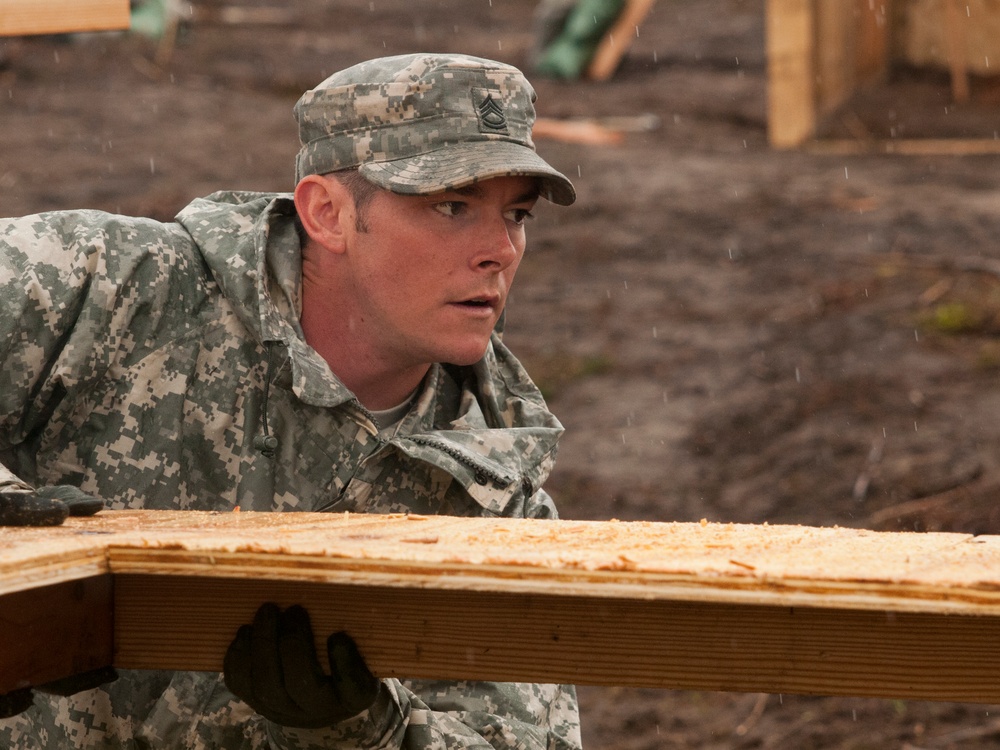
(727, 332)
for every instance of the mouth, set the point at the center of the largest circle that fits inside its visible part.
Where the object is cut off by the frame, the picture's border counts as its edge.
(484, 302)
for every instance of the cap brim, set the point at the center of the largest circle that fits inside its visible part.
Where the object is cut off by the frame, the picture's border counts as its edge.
(466, 163)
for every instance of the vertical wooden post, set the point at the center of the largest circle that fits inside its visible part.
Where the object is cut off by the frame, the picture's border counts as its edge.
(872, 51)
(957, 62)
(790, 28)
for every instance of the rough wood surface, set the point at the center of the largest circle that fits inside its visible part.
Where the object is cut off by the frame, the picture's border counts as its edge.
(20, 17)
(708, 606)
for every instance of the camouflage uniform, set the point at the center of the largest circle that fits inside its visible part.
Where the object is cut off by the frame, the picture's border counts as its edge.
(163, 366)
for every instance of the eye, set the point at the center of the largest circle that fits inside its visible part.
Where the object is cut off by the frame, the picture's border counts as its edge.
(519, 215)
(450, 208)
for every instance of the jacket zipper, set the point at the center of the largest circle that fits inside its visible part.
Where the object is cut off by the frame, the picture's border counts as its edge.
(483, 474)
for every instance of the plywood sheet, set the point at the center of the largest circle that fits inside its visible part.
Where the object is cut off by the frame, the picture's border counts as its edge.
(706, 606)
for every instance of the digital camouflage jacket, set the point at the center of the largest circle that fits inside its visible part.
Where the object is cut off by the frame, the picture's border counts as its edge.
(162, 366)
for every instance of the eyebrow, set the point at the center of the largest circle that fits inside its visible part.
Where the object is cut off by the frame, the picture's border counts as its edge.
(476, 191)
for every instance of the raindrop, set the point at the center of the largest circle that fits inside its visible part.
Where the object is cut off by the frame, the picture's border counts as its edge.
(914, 425)
(854, 713)
(987, 60)
(916, 335)
(846, 176)
(883, 432)
(55, 54)
(654, 56)
(744, 143)
(798, 375)
(626, 285)
(371, 7)
(677, 119)
(636, 32)
(152, 166)
(579, 171)
(737, 59)
(499, 45)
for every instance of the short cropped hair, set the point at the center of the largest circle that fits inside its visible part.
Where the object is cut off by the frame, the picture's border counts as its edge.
(362, 192)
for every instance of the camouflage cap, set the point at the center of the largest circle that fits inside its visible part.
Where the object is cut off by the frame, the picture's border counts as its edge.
(424, 123)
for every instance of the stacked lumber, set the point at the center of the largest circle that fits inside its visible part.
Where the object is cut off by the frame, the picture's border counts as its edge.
(703, 606)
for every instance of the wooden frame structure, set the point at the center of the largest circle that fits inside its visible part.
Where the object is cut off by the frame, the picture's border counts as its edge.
(25, 17)
(700, 606)
(820, 51)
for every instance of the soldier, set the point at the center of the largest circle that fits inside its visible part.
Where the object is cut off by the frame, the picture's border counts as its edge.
(336, 349)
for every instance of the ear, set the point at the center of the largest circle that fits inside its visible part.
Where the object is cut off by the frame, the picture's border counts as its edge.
(326, 210)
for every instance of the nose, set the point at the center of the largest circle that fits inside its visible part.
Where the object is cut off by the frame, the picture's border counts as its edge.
(499, 247)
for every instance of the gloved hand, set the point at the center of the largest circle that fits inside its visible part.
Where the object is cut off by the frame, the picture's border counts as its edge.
(272, 666)
(17, 701)
(46, 506)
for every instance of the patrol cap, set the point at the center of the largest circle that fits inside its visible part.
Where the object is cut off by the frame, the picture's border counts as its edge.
(424, 123)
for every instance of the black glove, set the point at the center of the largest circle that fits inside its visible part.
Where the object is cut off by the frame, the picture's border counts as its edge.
(17, 701)
(46, 506)
(272, 666)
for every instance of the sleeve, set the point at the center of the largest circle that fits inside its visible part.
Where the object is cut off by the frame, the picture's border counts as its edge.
(432, 715)
(43, 288)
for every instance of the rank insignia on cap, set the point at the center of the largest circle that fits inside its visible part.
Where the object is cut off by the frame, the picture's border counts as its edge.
(491, 116)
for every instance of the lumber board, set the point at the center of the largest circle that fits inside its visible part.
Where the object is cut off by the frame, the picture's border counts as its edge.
(25, 17)
(55, 631)
(906, 146)
(706, 606)
(791, 71)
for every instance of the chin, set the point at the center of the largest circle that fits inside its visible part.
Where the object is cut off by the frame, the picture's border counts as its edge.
(466, 355)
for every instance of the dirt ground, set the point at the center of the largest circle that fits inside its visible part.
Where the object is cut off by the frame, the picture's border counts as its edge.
(726, 331)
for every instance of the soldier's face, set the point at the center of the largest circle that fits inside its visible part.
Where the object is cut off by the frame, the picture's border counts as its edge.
(431, 273)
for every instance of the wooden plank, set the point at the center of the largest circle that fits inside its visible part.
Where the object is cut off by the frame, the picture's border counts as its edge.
(958, 64)
(24, 17)
(835, 37)
(791, 68)
(907, 146)
(872, 49)
(187, 623)
(709, 606)
(55, 631)
(619, 38)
